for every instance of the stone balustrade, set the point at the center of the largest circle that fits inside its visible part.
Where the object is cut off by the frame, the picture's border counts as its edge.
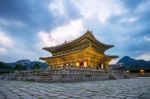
(61, 75)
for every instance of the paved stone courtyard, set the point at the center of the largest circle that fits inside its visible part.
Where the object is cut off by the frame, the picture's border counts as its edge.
(138, 88)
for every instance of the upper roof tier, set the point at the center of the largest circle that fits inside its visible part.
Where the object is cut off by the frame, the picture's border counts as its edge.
(87, 35)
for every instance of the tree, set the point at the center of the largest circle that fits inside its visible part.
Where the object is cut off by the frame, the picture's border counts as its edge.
(5, 66)
(20, 67)
(37, 66)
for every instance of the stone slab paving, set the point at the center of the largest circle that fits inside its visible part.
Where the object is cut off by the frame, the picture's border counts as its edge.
(137, 88)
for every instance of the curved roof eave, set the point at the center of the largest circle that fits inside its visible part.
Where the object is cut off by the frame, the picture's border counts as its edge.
(87, 34)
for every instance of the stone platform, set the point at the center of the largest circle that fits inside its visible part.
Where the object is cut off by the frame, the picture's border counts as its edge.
(61, 75)
(137, 88)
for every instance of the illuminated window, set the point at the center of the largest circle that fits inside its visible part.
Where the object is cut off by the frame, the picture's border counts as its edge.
(142, 71)
(85, 63)
(102, 66)
(77, 64)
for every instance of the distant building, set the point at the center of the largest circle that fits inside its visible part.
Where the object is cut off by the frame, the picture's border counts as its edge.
(116, 66)
(85, 51)
(6, 70)
(120, 71)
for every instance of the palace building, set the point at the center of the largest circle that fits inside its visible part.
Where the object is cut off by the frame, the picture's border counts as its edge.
(83, 52)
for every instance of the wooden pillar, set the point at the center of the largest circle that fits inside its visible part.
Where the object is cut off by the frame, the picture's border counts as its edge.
(97, 67)
(106, 66)
(74, 63)
(89, 62)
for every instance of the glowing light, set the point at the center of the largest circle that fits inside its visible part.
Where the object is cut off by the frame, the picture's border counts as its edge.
(142, 71)
(102, 66)
(85, 63)
(77, 64)
(128, 71)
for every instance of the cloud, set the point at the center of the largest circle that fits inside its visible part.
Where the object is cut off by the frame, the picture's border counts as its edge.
(129, 20)
(31, 25)
(11, 23)
(61, 33)
(132, 4)
(146, 38)
(45, 38)
(15, 9)
(5, 40)
(114, 61)
(12, 48)
(63, 11)
(15, 49)
(57, 7)
(143, 7)
(145, 56)
(101, 9)
(2, 50)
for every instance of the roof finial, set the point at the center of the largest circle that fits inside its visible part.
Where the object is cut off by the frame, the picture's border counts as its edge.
(87, 30)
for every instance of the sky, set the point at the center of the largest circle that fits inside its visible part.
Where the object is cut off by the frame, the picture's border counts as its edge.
(26, 26)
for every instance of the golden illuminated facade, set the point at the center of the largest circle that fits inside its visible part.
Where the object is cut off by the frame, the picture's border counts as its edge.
(85, 51)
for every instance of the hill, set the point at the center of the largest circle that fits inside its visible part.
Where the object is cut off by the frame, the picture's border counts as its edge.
(130, 63)
(27, 63)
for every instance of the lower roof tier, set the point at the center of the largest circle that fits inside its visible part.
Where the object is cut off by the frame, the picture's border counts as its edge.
(85, 54)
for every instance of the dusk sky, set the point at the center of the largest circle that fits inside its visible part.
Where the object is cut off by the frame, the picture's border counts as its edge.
(26, 26)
